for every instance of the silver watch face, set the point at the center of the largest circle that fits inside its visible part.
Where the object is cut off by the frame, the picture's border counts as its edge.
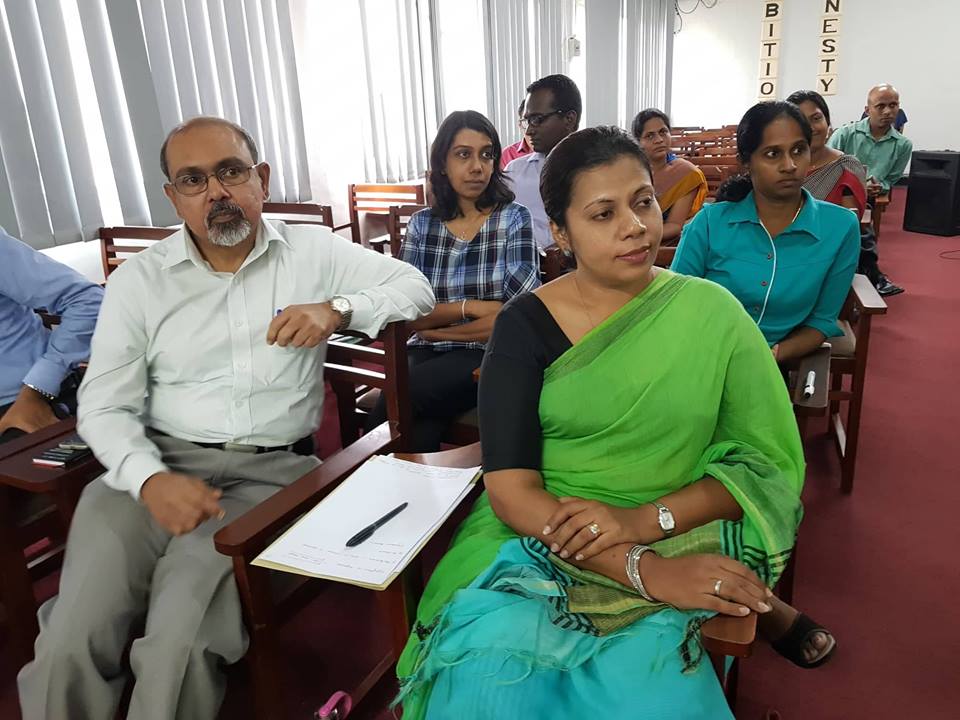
(666, 520)
(341, 305)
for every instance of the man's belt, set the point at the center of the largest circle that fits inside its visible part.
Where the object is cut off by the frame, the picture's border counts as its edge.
(303, 446)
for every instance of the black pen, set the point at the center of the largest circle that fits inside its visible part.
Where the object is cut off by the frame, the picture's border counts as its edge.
(368, 531)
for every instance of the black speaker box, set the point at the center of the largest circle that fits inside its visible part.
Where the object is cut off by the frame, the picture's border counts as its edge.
(933, 197)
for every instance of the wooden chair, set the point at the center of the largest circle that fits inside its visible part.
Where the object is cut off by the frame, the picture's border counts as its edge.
(716, 169)
(849, 359)
(245, 538)
(300, 213)
(36, 504)
(376, 199)
(119, 243)
(397, 220)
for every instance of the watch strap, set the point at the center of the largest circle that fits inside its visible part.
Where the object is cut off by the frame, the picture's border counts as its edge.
(42, 393)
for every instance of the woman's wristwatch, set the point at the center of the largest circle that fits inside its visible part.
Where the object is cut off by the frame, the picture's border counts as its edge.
(665, 518)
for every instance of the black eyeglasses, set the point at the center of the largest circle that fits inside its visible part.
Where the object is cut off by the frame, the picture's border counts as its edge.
(536, 119)
(196, 183)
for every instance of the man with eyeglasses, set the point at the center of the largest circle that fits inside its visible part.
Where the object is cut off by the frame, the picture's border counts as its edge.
(204, 387)
(551, 112)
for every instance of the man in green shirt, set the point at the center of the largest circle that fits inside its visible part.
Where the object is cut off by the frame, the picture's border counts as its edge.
(884, 152)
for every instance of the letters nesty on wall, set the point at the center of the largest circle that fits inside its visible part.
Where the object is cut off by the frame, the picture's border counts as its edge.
(829, 45)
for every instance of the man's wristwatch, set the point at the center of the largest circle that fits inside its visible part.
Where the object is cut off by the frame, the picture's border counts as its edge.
(665, 518)
(342, 306)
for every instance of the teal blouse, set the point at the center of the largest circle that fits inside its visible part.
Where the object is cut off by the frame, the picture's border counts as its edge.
(807, 269)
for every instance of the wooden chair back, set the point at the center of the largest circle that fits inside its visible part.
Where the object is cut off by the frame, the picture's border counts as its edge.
(377, 199)
(716, 170)
(299, 213)
(120, 242)
(397, 220)
(353, 368)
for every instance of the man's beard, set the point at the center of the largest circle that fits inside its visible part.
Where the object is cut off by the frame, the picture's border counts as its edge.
(230, 233)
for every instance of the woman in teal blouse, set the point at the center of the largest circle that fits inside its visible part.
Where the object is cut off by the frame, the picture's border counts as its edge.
(788, 257)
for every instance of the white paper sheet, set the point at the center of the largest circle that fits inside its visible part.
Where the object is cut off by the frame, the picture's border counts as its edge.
(317, 543)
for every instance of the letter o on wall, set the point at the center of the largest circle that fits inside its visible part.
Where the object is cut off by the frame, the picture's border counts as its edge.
(766, 88)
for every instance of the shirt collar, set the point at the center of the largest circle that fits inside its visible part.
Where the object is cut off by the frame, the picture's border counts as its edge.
(183, 249)
(807, 221)
(863, 126)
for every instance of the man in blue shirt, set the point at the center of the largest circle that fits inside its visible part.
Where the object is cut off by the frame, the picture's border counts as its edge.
(34, 361)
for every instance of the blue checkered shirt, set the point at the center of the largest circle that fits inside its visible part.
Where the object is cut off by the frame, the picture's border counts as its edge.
(500, 262)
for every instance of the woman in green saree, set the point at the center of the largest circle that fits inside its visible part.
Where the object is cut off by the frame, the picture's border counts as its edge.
(643, 473)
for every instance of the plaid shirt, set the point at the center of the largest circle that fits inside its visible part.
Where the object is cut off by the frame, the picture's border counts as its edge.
(500, 262)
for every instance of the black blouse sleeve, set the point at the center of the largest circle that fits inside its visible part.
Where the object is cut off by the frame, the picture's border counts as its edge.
(525, 340)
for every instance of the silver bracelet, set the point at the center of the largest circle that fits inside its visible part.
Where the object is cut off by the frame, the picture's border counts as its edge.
(42, 393)
(633, 570)
(463, 309)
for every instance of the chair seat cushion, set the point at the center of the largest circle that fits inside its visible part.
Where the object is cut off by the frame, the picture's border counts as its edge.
(844, 346)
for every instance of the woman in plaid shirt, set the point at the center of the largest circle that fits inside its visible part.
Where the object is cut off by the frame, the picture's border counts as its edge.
(476, 247)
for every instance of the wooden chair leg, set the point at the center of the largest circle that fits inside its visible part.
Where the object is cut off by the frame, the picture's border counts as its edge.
(848, 462)
(16, 589)
(263, 658)
(836, 385)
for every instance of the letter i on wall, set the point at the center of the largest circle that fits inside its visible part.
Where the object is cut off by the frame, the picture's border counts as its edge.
(829, 47)
(770, 29)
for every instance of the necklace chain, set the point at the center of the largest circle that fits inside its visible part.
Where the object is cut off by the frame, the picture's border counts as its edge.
(795, 216)
(482, 220)
(582, 303)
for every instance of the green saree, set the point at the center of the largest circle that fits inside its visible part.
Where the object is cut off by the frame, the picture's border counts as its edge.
(676, 385)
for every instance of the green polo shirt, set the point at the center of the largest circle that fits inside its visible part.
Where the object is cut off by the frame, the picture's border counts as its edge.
(884, 159)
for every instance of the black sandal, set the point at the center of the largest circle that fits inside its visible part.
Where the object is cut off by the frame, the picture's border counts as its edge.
(791, 643)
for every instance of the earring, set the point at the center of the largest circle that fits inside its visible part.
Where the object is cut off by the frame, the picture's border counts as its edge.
(567, 253)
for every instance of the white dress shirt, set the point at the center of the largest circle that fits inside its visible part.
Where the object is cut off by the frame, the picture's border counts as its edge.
(182, 348)
(524, 177)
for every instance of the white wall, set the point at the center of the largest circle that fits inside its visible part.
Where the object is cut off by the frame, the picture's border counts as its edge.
(914, 45)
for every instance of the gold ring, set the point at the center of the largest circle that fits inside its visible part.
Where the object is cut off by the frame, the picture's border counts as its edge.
(594, 528)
